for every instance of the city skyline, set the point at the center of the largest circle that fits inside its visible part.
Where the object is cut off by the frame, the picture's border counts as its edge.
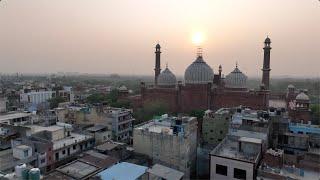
(98, 38)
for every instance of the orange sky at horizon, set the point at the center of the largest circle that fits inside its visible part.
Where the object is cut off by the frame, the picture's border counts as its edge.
(112, 36)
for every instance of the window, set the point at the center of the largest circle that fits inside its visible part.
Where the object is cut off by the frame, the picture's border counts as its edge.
(64, 152)
(57, 156)
(25, 153)
(43, 161)
(211, 130)
(220, 169)
(221, 132)
(239, 173)
(74, 147)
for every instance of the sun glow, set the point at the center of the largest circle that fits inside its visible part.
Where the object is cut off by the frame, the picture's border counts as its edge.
(198, 38)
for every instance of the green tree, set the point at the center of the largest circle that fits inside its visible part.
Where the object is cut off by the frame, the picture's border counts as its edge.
(150, 110)
(197, 113)
(315, 110)
(96, 98)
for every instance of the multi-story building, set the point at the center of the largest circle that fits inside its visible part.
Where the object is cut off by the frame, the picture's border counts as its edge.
(122, 123)
(235, 158)
(215, 125)
(15, 118)
(118, 120)
(238, 155)
(36, 97)
(48, 146)
(170, 141)
(3, 104)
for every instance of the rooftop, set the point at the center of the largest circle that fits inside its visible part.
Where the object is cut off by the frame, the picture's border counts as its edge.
(250, 140)
(97, 128)
(165, 124)
(248, 134)
(98, 159)
(36, 128)
(229, 148)
(13, 115)
(78, 169)
(23, 147)
(107, 146)
(74, 138)
(123, 171)
(165, 172)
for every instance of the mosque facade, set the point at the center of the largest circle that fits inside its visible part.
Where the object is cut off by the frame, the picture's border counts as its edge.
(202, 89)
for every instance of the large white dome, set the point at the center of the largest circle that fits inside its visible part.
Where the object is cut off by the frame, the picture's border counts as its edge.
(236, 79)
(166, 78)
(199, 72)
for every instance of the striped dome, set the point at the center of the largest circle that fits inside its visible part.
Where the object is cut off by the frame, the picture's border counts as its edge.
(199, 72)
(236, 79)
(302, 96)
(166, 78)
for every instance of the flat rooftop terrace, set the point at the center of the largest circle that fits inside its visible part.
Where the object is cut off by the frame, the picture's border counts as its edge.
(14, 115)
(228, 148)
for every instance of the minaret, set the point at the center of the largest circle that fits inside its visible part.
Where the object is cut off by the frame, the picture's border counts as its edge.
(157, 68)
(220, 70)
(266, 64)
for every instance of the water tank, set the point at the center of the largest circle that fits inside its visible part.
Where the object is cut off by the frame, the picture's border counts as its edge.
(19, 169)
(34, 174)
(25, 174)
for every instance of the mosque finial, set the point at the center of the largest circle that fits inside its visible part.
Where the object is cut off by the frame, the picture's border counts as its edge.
(236, 64)
(166, 64)
(199, 51)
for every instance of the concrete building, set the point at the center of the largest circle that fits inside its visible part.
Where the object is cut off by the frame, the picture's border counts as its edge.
(22, 152)
(51, 146)
(117, 120)
(170, 141)
(3, 104)
(215, 126)
(100, 133)
(86, 166)
(115, 149)
(273, 166)
(235, 158)
(15, 118)
(160, 172)
(36, 97)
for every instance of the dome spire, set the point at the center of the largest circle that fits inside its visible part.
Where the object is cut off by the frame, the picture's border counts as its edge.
(199, 51)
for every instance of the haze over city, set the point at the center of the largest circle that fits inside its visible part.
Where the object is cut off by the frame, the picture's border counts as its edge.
(106, 37)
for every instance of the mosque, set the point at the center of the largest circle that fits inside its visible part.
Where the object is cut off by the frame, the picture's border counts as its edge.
(203, 89)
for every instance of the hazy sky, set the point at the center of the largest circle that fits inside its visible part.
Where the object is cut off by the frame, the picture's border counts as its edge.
(118, 36)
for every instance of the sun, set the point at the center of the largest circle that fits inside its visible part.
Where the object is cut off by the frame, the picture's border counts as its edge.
(198, 38)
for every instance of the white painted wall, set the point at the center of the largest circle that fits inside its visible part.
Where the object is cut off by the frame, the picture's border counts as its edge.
(231, 164)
